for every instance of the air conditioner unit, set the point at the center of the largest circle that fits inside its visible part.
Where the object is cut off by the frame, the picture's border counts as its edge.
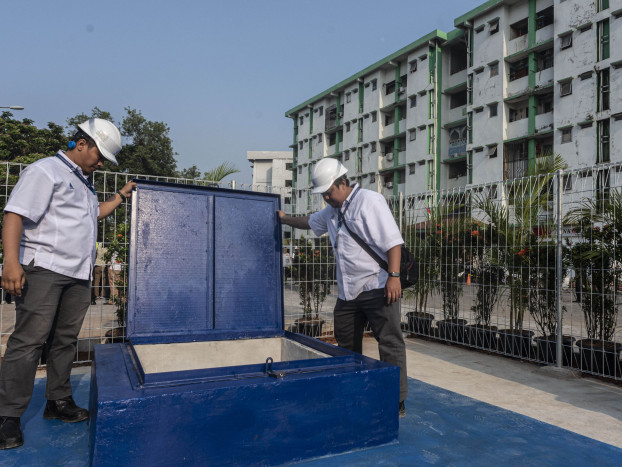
(401, 90)
(389, 156)
(340, 114)
(389, 184)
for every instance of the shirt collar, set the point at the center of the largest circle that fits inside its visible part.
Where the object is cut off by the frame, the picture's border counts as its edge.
(73, 164)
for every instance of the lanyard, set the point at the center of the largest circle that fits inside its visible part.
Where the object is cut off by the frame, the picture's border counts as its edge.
(347, 203)
(341, 214)
(86, 181)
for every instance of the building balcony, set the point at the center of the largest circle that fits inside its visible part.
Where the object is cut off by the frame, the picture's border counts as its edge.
(544, 34)
(386, 131)
(544, 122)
(517, 45)
(516, 129)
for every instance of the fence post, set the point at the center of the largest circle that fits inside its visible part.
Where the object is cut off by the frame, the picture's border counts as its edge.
(558, 267)
(401, 207)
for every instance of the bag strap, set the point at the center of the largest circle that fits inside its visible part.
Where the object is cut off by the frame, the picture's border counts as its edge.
(383, 264)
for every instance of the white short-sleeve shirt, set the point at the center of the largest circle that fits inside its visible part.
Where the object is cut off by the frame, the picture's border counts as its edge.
(60, 218)
(369, 216)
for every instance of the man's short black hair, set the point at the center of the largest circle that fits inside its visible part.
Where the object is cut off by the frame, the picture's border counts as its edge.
(80, 134)
(342, 179)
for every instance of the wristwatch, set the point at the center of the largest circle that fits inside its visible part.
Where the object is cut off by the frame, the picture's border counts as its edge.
(394, 274)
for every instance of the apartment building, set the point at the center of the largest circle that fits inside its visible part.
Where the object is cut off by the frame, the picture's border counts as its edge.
(271, 168)
(515, 79)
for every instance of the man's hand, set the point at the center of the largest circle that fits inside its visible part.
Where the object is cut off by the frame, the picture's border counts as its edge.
(13, 278)
(393, 289)
(127, 189)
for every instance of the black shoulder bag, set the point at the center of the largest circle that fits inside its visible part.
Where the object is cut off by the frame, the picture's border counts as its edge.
(409, 269)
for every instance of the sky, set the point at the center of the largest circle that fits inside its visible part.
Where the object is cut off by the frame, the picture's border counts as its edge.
(220, 73)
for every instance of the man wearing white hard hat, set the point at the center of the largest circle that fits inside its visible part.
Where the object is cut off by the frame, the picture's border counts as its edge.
(49, 233)
(366, 291)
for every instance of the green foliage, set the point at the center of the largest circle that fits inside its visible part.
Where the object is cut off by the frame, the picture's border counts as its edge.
(313, 270)
(21, 141)
(192, 173)
(223, 170)
(599, 223)
(117, 246)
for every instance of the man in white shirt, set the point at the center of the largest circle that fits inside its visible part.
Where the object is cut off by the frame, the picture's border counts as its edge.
(48, 234)
(366, 291)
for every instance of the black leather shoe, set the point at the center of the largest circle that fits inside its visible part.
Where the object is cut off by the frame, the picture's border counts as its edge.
(10, 433)
(65, 410)
(402, 409)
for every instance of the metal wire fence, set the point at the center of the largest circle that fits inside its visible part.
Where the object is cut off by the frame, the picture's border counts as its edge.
(527, 268)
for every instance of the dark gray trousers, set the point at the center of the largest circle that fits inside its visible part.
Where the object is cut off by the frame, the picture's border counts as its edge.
(385, 322)
(51, 308)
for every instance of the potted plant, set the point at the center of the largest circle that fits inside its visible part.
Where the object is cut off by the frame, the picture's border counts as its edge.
(419, 321)
(517, 219)
(313, 274)
(600, 225)
(542, 299)
(450, 241)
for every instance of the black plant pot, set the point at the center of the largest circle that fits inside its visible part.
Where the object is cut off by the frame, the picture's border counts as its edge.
(481, 336)
(601, 357)
(309, 327)
(546, 347)
(419, 322)
(452, 329)
(516, 343)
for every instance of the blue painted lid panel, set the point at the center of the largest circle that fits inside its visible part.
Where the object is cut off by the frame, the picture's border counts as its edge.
(202, 261)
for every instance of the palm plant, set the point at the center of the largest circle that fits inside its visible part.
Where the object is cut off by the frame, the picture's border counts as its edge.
(529, 198)
(217, 174)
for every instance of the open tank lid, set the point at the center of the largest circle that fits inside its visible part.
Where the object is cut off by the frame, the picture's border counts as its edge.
(203, 263)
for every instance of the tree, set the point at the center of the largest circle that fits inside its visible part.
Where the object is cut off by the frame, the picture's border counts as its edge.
(220, 172)
(192, 173)
(148, 149)
(21, 141)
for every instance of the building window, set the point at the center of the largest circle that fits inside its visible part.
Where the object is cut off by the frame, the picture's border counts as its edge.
(321, 111)
(348, 97)
(412, 135)
(300, 145)
(545, 59)
(603, 89)
(300, 169)
(544, 18)
(603, 141)
(566, 135)
(603, 40)
(388, 119)
(374, 84)
(565, 88)
(389, 88)
(374, 116)
(517, 113)
(373, 147)
(458, 169)
(319, 138)
(346, 155)
(413, 101)
(332, 139)
(289, 166)
(301, 120)
(518, 29)
(565, 41)
(458, 58)
(372, 178)
(494, 69)
(492, 151)
(493, 27)
(545, 104)
(602, 4)
(519, 69)
(458, 100)
(413, 66)
(348, 127)
(493, 110)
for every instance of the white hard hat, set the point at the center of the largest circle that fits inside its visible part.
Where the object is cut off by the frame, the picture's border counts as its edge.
(325, 173)
(106, 136)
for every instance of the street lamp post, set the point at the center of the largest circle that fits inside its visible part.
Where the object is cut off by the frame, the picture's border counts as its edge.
(12, 107)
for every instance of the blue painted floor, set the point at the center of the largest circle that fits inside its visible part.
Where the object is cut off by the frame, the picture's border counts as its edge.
(440, 428)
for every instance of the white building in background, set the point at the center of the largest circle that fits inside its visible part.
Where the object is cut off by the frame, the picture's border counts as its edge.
(516, 78)
(271, 168)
